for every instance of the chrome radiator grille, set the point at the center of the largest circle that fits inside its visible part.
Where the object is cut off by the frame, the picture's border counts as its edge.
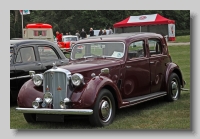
(56, 83)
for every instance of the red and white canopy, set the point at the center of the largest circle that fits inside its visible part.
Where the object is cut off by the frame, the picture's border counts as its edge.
(143, 20)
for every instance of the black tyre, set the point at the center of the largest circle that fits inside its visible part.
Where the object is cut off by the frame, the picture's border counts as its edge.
(104, 109)
(174, 89)
(30, 118)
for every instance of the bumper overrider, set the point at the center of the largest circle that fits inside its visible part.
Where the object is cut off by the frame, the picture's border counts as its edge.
(55, 111)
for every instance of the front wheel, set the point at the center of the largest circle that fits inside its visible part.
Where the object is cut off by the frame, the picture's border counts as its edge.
(174, 88)
(104, 109)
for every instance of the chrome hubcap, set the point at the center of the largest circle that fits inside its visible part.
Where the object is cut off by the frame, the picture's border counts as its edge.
(105, 109)
(175, 89)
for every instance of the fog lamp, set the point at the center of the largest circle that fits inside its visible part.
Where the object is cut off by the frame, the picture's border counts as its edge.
(62, 105)
(48, 97)
(35, 104)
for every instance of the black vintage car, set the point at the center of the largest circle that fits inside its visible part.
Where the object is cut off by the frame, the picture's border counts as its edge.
(28, 55)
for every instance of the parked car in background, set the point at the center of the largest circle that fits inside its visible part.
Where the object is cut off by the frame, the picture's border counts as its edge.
(111, 72)
(27, 55)
(67, 43)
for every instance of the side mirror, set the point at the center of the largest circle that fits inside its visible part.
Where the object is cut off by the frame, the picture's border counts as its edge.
(104, 72)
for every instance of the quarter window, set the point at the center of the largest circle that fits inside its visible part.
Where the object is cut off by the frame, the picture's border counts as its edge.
(154, 47)
(136, 49)
(47, 53)
(25, 55)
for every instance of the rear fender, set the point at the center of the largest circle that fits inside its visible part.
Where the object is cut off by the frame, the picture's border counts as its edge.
(172, 67)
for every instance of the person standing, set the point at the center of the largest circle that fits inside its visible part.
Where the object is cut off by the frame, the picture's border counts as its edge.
(77, 34)
(110, 31)
(58, 36)
(104, 32)
(91, 32)
(100, 32)
(83, 34)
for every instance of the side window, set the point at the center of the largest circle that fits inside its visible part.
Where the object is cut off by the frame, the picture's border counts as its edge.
(136, 49)
(47, 53)
(154, 47)
(25, 55)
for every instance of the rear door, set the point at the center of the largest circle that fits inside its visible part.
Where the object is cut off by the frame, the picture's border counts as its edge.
(157, 64)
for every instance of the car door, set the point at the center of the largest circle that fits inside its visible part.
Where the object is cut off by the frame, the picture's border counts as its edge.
(48, 55)
(157, 64)
(137, 74)
(24, 62)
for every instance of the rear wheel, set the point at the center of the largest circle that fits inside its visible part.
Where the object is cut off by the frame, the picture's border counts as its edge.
(104, 109)
(30, 118)
(174, 88)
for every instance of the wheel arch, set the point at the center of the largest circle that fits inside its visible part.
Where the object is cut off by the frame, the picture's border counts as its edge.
(174, 68)
(113, 92)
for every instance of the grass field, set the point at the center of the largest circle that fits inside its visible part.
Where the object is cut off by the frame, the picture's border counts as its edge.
(153, 115)
(185, 38)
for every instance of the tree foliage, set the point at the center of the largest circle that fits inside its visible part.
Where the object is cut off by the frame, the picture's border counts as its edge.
(72, 20)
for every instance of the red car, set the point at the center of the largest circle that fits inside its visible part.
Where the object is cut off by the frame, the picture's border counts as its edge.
(111, 72)
(67, 42)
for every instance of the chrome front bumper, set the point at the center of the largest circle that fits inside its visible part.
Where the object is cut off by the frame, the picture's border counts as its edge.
(56, 111)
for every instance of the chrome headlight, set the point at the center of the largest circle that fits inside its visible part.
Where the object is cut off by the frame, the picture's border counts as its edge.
(38, 79)
(48, 97)
(77, 79)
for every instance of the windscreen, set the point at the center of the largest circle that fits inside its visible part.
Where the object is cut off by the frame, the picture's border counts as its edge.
(98, 49)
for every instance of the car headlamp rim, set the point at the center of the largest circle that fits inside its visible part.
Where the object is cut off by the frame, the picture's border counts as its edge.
(35, 104)
(77, 79)
(38, 79)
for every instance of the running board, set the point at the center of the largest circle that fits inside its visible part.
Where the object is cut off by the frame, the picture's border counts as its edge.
(140, 99)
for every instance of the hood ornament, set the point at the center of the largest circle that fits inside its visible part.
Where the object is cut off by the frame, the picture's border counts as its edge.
(54, 65)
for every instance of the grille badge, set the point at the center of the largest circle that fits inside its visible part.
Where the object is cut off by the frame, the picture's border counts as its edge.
(47, 89)
(59, 88)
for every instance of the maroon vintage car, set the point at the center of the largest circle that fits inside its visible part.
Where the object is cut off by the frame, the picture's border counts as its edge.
(110, 72)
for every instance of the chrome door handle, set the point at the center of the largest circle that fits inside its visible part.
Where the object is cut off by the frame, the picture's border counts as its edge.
(61, 61)
(128, 66)
(38, 63)
(152, 62)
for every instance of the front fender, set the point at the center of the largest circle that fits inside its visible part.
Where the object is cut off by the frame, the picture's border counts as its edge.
(90, 93)
(28, 93)
(172, 67)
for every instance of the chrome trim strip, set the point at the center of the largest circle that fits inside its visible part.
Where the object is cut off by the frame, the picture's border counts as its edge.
(148, 96)
(20, 77)
(56, 111)
(131, 104)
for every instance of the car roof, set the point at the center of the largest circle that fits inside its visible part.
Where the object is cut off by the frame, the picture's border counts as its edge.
(121, 36)
(23, 41)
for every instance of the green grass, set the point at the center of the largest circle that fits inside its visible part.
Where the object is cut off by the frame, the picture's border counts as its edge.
(152, 115)
(183, 38)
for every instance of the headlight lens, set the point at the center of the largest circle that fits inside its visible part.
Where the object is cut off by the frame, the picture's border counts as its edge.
(48, 97)
(38, 79)
(77, 79)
